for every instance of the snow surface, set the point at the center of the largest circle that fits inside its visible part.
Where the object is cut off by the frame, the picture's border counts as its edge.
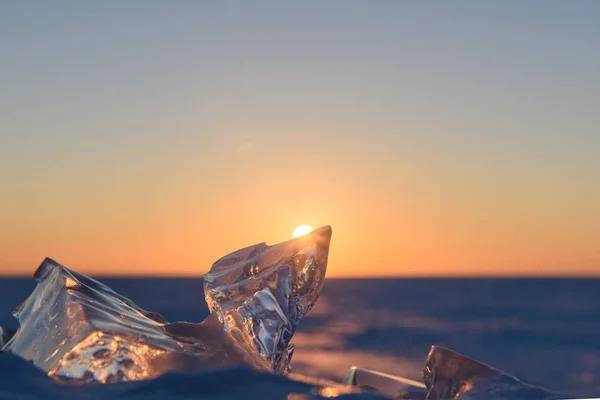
(21, 380)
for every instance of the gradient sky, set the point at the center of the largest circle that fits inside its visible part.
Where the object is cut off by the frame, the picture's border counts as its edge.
(436, 138)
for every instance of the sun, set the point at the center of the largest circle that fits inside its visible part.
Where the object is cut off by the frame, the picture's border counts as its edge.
(302, 230)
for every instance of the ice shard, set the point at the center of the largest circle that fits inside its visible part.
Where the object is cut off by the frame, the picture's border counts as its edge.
(395, 387)
(260, 293)
(78, 330)
(450, 375)
(5, 335)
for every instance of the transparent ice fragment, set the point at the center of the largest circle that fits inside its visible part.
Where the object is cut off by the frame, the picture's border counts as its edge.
(392, 386)
(450, 375)
(261, 293)
(5, 335)
(78, 330)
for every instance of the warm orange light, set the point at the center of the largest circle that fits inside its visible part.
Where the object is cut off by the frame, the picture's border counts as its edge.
(302, 230)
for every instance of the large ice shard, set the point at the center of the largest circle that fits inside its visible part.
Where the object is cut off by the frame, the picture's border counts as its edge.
(78, 330)
(260, 293)
(450, 375)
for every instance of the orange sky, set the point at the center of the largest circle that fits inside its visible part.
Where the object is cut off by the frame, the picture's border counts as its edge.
(441, 140)
(178, 223)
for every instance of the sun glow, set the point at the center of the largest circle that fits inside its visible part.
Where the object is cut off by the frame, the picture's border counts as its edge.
(302, 230)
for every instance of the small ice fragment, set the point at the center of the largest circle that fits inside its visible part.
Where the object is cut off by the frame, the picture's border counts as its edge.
(5, 335)
(261, 293)
(392, 386)
(450, 375)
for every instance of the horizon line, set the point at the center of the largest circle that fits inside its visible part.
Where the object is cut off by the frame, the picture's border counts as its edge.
(352, 277)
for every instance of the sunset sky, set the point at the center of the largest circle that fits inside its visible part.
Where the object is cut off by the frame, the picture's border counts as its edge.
(436, 138)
